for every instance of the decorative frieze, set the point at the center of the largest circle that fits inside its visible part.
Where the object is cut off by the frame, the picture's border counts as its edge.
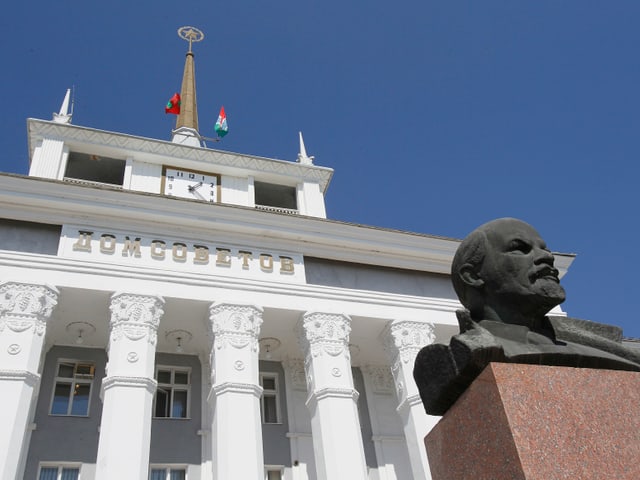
(321, 333)
(26, 306)
(295, 366)
(234, 325)
(135, 316)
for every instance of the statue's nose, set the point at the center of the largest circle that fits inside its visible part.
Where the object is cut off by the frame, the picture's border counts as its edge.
(543, 256)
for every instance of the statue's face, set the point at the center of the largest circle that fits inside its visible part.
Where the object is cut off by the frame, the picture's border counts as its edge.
(518, 268)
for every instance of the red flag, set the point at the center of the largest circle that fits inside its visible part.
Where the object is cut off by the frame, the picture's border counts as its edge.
(173, 105)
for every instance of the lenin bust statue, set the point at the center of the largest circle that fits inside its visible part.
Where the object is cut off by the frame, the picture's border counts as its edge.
(504, 276)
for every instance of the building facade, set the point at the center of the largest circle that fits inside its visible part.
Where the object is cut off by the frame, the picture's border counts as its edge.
(170, 311)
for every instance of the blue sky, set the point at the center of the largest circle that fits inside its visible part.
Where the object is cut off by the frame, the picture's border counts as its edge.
(436, 116)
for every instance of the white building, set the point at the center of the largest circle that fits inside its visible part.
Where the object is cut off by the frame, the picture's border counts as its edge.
(170, 311)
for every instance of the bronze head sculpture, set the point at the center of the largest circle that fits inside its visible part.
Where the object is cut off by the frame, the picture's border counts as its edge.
(504, 276)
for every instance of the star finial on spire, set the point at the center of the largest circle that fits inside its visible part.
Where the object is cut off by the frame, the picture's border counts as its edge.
(191, 34)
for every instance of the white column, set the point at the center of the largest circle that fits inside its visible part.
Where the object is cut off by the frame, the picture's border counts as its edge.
(332, 401)
(403, 340)
(206, 467)
(300, 439)
(386, 428)
(236, 433)
(24, 311)
(128, 387)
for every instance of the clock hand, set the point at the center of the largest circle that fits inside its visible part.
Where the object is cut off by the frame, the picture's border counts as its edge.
(197, 194)
(192, 188)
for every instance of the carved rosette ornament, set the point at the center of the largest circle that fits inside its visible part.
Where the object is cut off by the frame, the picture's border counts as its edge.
(235, 325)
(26, 306)
(135, 316)
(324, 333)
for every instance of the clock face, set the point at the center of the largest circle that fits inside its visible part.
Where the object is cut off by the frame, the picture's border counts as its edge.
(179, 182)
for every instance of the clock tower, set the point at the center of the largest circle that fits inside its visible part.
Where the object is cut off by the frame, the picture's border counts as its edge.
(182, 169)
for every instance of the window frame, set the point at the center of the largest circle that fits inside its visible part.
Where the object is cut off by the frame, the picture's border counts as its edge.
(72, 381)
(167, 467)
(81, 167)
(276, 196)
(275, 393)
(60, 466)
(173, 387)
(273, 468)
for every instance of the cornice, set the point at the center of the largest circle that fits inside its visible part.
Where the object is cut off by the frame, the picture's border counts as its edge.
(331, 392)
(57, 202)
(160, 152)
(236, 387)
(149, 384)
(71, 272)
(25, 376)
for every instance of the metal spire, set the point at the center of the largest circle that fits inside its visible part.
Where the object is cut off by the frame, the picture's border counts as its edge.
(303, 158)
(186, 131)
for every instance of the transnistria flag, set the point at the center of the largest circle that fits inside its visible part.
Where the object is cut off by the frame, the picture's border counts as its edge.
(221, 125)
(173, 105)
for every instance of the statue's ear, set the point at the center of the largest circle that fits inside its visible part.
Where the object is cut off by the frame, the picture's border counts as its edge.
(470, 276)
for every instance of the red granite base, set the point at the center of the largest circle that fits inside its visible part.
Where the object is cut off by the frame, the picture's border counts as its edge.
(531, 422)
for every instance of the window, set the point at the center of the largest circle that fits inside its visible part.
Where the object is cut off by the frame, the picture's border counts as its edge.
(94, 168)
(270, 195)
(172, 396)
(273, 473)
(269, 403)
(58, 472)
(72, 389)
(158, 472)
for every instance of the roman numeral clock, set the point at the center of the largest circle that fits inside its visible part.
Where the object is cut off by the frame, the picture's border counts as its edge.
(183, 183)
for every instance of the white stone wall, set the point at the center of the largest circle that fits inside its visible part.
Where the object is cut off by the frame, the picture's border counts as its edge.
(235, 191)
(145, 177)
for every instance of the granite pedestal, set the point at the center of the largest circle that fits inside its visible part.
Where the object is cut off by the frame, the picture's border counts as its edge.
(531, 422)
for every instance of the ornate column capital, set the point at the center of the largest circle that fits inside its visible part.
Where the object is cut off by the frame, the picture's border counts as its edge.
(403, 339)
(236, 325)
(135, 316)
(24, 306)
(320, 333)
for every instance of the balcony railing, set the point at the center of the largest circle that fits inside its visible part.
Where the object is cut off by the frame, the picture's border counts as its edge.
(286, 211)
